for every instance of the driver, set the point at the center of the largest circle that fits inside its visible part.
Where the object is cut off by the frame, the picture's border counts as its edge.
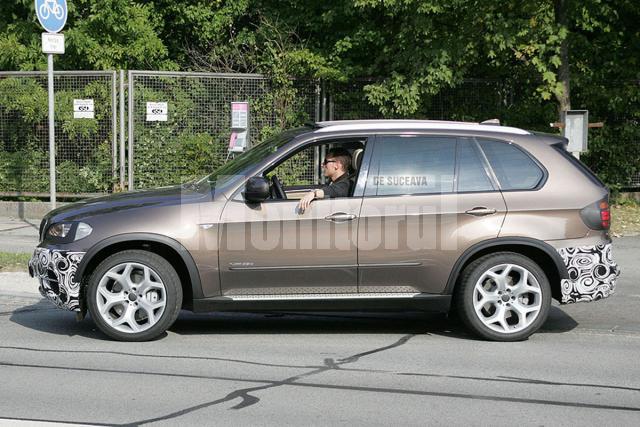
(336, 164)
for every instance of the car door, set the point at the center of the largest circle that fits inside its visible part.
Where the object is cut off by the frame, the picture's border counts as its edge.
(272, 249)
(427, 199)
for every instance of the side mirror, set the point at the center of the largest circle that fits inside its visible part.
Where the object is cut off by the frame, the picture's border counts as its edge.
(256, 190)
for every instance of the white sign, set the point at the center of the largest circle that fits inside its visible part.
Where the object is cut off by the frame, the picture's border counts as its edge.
(83, 109)
(53, 43)
(157, 111)
(238, 142)
(239, 115)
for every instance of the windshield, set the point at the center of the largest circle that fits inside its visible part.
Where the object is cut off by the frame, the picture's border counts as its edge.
(244, 162)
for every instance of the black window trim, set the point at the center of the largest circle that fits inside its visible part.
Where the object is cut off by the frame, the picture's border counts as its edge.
(485, 165)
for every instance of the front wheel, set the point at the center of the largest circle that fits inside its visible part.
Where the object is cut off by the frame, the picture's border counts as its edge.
(134, 295)
(503, 297)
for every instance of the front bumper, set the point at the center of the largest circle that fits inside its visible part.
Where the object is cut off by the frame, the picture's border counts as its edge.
(592, 273)
(55, 270)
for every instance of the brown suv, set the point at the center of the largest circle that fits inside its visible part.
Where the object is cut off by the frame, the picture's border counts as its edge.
(488, 220)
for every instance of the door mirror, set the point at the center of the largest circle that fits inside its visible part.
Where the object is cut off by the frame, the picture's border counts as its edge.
(256, 190)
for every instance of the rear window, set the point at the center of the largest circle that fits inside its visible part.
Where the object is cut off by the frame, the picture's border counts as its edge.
(514, 168)
(578, 164)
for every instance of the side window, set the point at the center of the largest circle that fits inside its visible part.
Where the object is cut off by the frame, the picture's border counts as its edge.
(299, 169)
(472, 175)
(514, 169)
(412, 165)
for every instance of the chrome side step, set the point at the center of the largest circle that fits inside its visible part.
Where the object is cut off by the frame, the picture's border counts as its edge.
(308, 297)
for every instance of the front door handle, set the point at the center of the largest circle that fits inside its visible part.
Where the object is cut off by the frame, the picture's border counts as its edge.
(340, 217)
(480, 211)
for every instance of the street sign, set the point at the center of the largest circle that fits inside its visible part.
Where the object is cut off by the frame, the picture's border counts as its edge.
(83, 109)
(53, 43)
(157, 111)
(52, 14)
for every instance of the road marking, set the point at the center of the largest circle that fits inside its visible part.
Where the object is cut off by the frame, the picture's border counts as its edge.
(32, 422)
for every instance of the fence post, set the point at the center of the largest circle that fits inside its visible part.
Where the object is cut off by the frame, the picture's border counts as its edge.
(122, 137)
(131, 124)
(114, 127)
(316, 150)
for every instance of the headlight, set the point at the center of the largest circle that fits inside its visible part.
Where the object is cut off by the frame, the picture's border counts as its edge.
(59, 230)
(64, 230)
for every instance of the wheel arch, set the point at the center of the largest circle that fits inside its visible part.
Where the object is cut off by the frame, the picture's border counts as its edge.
(545, 255)
(168, 248)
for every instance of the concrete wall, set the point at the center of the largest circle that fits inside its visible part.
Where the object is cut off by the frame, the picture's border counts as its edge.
(25, 210)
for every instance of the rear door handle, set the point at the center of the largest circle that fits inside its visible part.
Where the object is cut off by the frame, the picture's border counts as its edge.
(480, 211)
(340, 217)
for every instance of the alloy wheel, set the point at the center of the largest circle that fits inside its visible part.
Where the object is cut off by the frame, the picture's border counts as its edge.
(131, 297)
(507, 298)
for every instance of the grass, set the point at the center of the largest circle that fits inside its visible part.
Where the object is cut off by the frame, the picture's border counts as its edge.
(14, 262)
(625, 219)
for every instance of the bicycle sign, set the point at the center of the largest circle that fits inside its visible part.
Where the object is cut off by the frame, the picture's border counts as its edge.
(52, 14)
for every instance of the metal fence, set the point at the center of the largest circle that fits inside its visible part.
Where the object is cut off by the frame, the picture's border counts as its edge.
(84, 147)
(193, 141)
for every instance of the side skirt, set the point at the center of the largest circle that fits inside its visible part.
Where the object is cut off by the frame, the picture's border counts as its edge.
(325, 302)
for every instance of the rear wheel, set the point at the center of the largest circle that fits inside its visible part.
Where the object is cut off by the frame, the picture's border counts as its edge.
(134, 295)
(503, 297)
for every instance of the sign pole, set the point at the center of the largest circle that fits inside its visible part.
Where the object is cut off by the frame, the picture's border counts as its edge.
(52, 15)
(52, 136)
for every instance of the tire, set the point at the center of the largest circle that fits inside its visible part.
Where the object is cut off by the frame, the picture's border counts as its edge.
(134, 295)
(503, 296)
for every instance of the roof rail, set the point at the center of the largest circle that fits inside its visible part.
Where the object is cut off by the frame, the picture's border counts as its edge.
(407, 125)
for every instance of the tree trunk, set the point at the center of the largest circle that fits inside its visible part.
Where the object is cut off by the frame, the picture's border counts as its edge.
(564, 98)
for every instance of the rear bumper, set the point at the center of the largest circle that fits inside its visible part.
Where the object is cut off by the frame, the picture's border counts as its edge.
(55, 271)
(592, 273)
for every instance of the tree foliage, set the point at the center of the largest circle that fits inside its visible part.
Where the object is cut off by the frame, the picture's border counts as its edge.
(555, 53)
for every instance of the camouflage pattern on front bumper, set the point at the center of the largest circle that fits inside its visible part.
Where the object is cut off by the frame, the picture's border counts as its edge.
(55, 271)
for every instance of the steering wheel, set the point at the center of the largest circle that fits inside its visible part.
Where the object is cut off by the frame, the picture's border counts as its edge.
(278, 190)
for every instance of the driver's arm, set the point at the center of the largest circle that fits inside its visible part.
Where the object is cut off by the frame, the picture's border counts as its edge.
(306, 200)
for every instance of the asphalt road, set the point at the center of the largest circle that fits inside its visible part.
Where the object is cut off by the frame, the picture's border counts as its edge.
(324, 369)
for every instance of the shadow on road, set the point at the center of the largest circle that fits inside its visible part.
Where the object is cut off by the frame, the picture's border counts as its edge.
(46, 318)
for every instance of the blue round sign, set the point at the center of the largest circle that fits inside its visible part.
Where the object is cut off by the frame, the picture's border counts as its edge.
(52, 14)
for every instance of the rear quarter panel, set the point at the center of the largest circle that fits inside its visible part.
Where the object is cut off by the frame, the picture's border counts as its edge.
(553, 211)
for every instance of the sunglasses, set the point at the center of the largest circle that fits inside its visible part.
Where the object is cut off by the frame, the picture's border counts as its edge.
(325, 162)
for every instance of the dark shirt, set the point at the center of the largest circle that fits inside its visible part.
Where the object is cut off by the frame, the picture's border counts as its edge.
(338, 188)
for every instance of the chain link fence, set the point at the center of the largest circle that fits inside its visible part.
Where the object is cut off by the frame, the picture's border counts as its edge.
(84, 146)
(194, 139)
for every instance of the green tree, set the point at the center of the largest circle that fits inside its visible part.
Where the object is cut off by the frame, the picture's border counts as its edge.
(100, 34)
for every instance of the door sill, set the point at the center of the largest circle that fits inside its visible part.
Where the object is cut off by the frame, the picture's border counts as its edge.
(324, 302)
(286, 297)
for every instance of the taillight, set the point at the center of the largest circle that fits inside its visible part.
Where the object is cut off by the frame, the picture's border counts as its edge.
(597, 216)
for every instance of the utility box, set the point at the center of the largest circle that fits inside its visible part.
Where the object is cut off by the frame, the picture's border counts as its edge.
(576, 127)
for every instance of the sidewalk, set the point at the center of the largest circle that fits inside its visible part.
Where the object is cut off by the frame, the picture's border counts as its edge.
(18, 284)
(18, 235)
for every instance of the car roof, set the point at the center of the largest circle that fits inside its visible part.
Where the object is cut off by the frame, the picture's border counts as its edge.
(366, 125)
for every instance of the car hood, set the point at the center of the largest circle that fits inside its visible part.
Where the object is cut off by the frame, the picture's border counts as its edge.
(165, 196)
